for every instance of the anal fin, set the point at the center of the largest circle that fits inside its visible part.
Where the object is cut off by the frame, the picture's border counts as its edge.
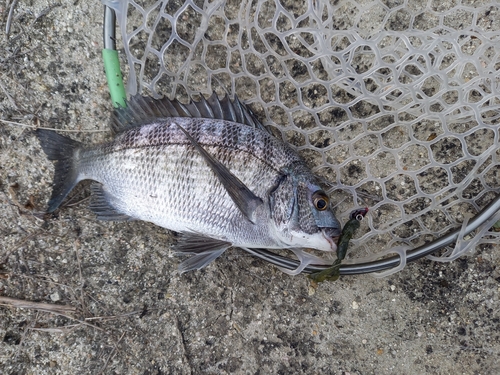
(101, 204)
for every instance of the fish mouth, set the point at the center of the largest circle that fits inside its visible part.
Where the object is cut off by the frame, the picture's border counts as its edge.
(332, 235)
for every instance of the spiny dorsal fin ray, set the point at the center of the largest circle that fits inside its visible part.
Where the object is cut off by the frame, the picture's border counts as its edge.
(227, 109)
(215, 104)
(143, 109)
(205, 108)
(242, 196)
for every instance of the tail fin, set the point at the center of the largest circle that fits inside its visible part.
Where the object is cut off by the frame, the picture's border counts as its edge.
(62, 150)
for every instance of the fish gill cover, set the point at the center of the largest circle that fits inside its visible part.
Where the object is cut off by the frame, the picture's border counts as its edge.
(395, 103)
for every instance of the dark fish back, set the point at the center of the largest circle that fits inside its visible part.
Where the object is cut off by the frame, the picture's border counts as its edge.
(220, 135)
(141, 110)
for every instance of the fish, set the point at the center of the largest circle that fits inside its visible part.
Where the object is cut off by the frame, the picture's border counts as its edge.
(208, 170)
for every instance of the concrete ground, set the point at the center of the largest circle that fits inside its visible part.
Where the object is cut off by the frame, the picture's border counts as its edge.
(90, 297)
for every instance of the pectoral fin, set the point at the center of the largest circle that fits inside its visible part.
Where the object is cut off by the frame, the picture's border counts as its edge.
(105, 205)
(203, 249)
(241, 195)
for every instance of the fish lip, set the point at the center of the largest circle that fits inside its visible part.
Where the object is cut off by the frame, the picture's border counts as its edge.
(332, 235)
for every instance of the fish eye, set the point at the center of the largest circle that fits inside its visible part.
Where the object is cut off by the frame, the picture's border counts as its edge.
(320, 200)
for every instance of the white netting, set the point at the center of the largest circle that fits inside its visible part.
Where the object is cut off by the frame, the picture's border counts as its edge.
(395, 102)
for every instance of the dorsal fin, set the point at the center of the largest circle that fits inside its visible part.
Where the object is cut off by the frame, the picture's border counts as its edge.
(143, 109)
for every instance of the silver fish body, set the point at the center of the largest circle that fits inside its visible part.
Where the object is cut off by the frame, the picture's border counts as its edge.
(220, 183)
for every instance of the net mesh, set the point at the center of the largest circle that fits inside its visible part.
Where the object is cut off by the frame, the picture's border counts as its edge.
(395, 103)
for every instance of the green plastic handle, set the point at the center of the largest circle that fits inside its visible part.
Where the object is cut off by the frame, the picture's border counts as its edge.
(114, 77)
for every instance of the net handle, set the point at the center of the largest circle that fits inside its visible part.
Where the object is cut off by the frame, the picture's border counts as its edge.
(111, 60)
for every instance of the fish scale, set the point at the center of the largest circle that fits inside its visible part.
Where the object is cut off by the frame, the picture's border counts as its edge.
(218, 182)
(147, 150)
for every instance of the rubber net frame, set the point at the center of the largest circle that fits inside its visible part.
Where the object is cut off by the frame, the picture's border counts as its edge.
(395, 104)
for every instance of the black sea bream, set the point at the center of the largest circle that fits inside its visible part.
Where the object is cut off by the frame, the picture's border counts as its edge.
(208, 170)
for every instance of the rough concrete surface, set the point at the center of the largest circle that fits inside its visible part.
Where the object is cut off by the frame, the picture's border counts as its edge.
(128, 311)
